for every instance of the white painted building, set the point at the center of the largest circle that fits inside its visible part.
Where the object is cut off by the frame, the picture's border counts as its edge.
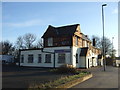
(63, 45)
(116, 62)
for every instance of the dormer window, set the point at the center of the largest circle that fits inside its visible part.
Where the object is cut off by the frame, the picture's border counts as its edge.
(50, 41)
(76, 41)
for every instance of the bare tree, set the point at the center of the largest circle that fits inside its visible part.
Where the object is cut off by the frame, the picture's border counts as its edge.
(19, 42)
(29, 39)
(109, 50)
(7, 47)
(39, 43)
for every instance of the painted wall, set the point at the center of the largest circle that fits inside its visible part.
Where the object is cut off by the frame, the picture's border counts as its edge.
(82, 62)
(74, 51)
(117, 63)
(70, 57)
(43, 64)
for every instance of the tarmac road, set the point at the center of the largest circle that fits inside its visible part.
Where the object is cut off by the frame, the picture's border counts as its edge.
(101, 78)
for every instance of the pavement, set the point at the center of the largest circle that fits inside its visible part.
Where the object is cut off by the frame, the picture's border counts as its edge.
(101, 78)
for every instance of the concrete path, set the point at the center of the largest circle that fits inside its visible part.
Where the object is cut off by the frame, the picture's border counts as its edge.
(101, 78)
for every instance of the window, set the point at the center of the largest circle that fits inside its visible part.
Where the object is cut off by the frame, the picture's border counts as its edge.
(85, 43)
(30, 58)
(76, 40)
(61, 58)
(22, 58)
(39, 58)
(76, 58)
(82, 43)
(50, 41)
(48, 58)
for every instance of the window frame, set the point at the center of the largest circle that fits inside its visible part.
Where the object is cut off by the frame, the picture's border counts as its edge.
(39, 58)
(50, 41)
(30, 58)
(63, 58)
(76, 40)
(47, 58)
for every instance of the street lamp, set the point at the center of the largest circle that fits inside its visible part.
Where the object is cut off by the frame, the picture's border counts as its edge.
(112, 47)
(103, 37)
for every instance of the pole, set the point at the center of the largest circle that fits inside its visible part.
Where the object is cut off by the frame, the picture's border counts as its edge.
(54, 60)
(112, 47)
(103, 38)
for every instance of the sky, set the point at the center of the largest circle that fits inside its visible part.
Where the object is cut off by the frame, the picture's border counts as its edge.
(19, 18)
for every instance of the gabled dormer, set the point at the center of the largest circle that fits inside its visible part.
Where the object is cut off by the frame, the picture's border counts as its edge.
(60, 36)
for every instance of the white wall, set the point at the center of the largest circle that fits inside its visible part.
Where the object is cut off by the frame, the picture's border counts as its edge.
(82, 62)
(43, 64)
(117, 63)
(74, 51)
(70, 57)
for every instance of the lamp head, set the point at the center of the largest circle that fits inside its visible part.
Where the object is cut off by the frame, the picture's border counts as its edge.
(104, 5)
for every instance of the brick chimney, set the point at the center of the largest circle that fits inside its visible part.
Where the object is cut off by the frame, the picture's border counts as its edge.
(94, 42)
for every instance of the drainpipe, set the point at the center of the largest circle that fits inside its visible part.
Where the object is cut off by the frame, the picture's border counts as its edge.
(71, 54)
(54, 61)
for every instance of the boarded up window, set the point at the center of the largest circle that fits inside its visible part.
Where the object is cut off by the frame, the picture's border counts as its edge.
(39, 58)
(50, 41)
(61, 58)
(30, 58)
(48, 58)
(22, 58)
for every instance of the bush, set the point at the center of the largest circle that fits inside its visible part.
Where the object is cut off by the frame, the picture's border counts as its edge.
(69, 69)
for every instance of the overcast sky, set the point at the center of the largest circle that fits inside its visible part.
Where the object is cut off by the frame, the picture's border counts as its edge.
(34, 17)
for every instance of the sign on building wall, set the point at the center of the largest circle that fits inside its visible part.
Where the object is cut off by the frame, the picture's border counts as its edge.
(63, 51)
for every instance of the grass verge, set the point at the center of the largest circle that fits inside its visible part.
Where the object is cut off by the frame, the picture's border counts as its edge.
(59, 82)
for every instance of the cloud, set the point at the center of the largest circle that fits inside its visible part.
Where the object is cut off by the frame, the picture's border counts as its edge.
(28, 23)
(115, 11)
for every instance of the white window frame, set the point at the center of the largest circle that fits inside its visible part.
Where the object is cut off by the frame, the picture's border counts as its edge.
(50, 41)
(30, 58)
(60, 58)
(39, 58)
(48, 58)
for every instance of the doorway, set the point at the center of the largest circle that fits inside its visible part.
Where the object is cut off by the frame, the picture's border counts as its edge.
(88, 63)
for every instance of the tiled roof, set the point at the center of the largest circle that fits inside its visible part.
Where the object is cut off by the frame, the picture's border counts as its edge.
(68, 30)
(31, 49)
(85, 37)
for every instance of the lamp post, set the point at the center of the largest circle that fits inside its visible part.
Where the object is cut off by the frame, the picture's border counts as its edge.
(112, 47)
(103, 37)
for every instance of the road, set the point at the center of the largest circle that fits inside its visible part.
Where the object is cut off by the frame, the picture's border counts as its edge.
(101, 79)
(23, 77)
